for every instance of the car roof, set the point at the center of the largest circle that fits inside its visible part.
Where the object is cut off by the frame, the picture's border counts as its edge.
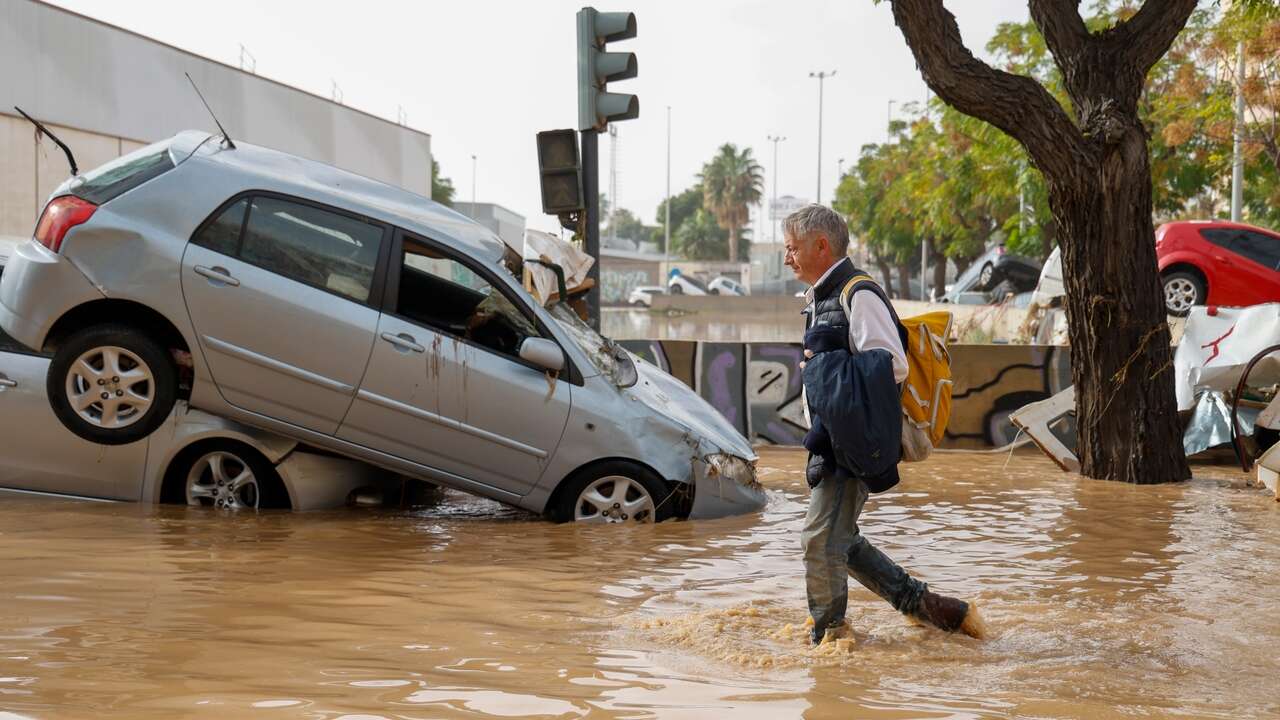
(264, 168)
(1219, 224)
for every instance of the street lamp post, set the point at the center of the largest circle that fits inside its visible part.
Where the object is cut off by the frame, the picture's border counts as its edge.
(666, 223)
(773, 206)
(822, 75)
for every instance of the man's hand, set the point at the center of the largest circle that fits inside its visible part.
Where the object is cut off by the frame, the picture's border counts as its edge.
(807, 354)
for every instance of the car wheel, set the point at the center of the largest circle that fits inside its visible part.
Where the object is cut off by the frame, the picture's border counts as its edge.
(1182, 290)
(677, 290)
(714, 291)
(111, 384)
(228, 475)
(984, 277)
(614, 492)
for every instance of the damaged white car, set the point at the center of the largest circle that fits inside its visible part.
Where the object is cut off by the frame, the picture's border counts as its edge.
(356, 318)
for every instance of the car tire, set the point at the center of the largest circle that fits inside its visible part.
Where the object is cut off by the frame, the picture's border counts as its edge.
(677, 290)
(1182, 291)
(227, 475)
(714, 291)
(985, 276)
(614, 492)
(96, 363)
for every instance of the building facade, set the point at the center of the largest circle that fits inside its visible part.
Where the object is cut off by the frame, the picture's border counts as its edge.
(106, 91)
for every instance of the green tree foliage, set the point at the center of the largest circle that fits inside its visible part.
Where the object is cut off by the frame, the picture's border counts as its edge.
(700, 237)
(732, 181)
(959, 184)
(441, 187)
(683, 207)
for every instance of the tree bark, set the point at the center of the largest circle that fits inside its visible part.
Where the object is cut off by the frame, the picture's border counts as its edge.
(1097, 168)
(904, 280)
(733, 243)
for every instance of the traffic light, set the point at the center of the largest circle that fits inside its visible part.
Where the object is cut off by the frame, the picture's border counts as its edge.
(560, 171)
(596, 68)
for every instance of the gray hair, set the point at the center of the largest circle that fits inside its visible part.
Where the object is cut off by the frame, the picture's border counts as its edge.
(814, 218)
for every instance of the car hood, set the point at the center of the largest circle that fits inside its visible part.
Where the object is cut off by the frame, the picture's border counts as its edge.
(676, 401)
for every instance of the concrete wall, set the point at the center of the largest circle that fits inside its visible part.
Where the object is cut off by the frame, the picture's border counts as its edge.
(756, 386)
(106, 91)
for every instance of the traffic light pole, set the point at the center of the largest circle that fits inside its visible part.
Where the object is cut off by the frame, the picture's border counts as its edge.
(591, 220)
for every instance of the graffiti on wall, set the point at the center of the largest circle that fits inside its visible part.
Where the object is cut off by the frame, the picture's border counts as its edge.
(616, 285)
(756, 386)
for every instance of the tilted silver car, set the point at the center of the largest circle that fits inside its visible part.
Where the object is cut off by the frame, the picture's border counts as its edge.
(195, 458)
(357, 318)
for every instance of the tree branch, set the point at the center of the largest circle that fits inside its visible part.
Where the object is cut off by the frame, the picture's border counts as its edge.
(1016, 104)
(1146, 37)
(1063, 29)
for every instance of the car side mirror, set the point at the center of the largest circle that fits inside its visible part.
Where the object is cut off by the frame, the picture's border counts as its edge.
(542, 352)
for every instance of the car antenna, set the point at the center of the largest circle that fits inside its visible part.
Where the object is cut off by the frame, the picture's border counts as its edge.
(71, 160)
(225, 136)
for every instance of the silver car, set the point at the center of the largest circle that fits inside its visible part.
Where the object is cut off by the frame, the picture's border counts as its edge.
(195, 458)
(356, 318)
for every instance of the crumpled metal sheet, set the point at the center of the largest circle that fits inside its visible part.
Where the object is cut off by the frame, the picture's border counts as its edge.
(1215, 348)
(1210, 424)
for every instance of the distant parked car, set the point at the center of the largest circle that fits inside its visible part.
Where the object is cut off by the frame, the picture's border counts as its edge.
(354, 317)
(1217, 263)
(725, 286)
(681, 284)
(642, 295)
(997, 273)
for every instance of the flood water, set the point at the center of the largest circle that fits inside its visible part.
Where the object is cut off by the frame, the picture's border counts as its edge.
(1105, 601)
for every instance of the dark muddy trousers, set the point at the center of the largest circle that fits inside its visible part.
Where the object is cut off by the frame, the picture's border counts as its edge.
(835, 549)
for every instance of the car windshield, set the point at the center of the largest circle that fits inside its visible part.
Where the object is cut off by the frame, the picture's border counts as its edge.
(608, 357)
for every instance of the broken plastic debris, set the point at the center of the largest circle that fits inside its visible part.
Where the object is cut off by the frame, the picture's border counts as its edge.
(1035, 420)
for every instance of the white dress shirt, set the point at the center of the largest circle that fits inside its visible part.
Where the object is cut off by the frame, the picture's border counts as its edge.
(871, 327)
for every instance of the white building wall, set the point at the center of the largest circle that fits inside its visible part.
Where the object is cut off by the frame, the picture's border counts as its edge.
(106, 91)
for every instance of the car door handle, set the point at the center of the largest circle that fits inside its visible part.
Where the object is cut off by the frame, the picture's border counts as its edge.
(7, 383)
(403, 341)
(217, 274)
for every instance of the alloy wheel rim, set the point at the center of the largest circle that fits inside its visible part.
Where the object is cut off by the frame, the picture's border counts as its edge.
(110, 387)
(223, 480)
(1179, 294)
(614, 499)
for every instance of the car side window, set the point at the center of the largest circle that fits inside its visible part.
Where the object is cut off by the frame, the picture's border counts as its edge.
(1223, 238)
(1262, 249)
(321, 248)
(222, 234)
(442, 293)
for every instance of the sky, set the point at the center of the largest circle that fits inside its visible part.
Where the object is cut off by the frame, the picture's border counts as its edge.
(484, 76)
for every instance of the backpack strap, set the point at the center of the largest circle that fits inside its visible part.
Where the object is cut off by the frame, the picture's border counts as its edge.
(865, 282)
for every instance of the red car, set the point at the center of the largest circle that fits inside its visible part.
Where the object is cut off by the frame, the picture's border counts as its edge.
(1212, 262)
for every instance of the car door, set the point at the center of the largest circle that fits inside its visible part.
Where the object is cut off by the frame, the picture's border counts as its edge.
(459, 398)
(38, 453)
(282, 294)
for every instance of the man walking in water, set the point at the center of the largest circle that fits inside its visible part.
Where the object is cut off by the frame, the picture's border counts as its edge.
(817, 241)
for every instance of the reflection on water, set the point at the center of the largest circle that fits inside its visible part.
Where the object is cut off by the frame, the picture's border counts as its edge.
(1106, 601)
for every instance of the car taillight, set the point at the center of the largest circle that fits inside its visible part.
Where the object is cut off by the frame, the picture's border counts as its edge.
(60, 215)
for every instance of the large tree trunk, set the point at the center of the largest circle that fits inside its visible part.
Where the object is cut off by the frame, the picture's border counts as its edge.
(1116, 318)
(1098, 172)
(733, 243)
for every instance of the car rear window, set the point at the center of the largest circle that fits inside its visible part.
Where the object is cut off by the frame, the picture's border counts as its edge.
(119, 176)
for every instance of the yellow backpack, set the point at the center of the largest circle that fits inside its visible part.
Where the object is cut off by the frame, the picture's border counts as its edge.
(926, 393)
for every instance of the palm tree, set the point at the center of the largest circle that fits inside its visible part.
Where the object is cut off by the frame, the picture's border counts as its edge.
(732, 182)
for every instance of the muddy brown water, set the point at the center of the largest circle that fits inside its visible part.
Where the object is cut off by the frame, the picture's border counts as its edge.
(1105, 600)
